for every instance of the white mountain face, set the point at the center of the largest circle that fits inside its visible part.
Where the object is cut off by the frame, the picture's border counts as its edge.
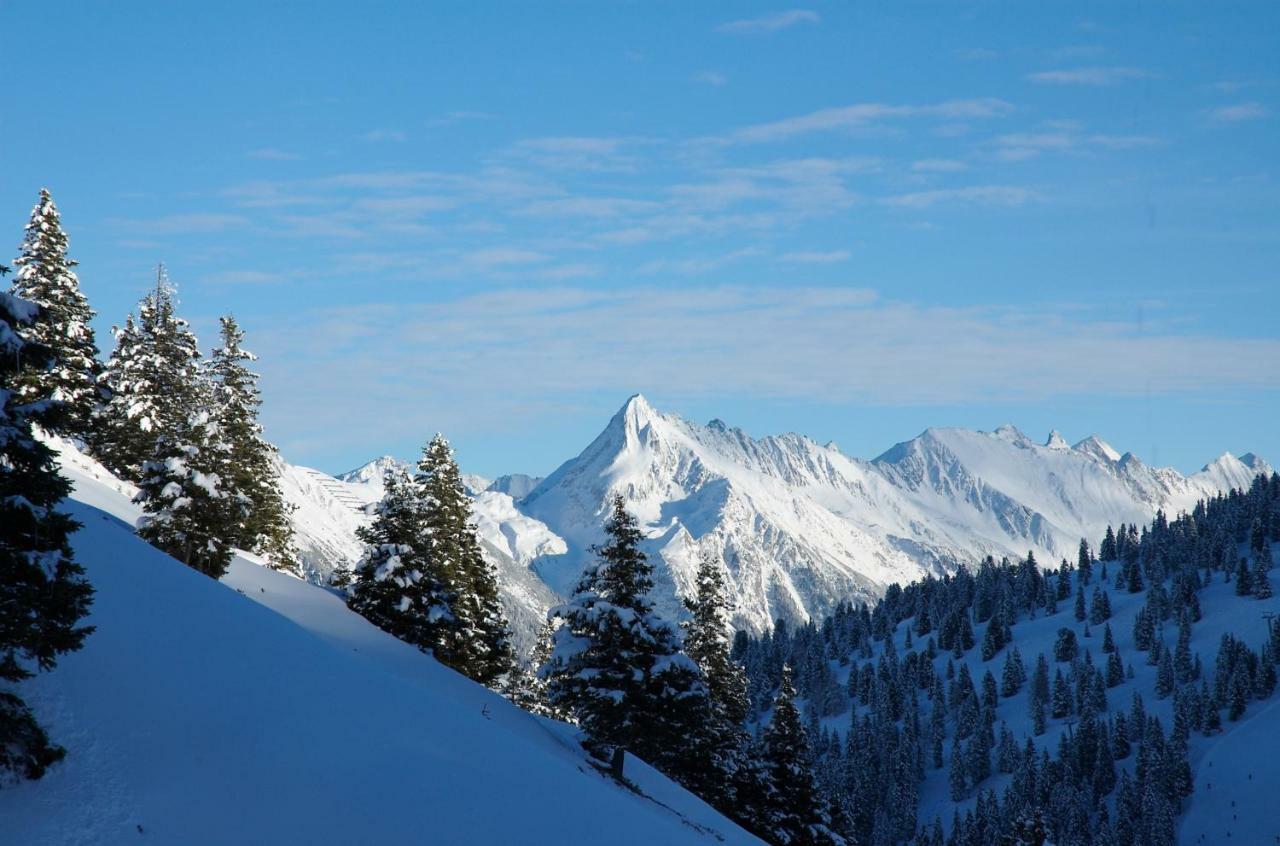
(803, 526)
(800, 525)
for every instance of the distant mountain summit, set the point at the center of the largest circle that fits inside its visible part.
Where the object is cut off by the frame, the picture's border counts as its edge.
(800, 524)
(803, 526)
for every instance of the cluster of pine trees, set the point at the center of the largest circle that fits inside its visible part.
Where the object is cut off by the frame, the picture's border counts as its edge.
(183, 428)
(636, 682)
(423, 577)
(901, 670)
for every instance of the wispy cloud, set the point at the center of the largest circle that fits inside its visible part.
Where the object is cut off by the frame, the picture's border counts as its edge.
(180, 224)
(380, 135)
(979, 195)
(1238, 112)
(861, 115)
(450, 118)
(272, 154)
(579, 152)
(1089, 76)
(769, 23)
(1063, 137)
(710, 77)
(938, 166)
(495, 355)
(815, 257)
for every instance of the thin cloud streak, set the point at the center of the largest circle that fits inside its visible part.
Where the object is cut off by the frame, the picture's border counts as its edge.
(769, 23)
(494, 354)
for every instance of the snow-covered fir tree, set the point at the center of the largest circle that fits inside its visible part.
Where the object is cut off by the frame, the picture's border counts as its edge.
(189, 511)
(396, 585)
(616, 664)
(45, 276)
(252, 462)
(153, 379)
(480, 642)
(723, 740)
(43, 592)
(796, 813)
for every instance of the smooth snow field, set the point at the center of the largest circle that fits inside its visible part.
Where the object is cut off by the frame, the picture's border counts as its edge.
(260, 710)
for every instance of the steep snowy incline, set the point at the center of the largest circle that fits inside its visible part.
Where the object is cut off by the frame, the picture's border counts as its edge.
(803, 526)
(261, 711)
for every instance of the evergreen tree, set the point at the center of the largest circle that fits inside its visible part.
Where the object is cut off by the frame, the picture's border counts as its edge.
(796, 813)
(64, 323)
(43, 592)
(396, 584)
(617, 665)
(188, 511)
(252, 461)
(707, 642)
(154, 383)
(481, 647)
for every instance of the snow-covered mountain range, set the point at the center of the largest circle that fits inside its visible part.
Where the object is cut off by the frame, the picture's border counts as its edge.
(801, 525)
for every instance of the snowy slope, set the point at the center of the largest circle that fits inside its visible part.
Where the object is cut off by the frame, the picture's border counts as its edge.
(803, 526)
(260, 710)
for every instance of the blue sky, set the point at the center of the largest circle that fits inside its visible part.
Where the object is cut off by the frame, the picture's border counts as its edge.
(848, 220)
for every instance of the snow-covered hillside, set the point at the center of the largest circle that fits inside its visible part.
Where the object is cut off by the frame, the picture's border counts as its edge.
(260, 710)
(803, 525)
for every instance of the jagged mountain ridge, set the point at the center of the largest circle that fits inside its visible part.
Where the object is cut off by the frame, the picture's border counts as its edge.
(803, 526)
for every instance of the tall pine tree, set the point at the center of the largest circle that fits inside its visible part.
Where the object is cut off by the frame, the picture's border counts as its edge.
(617, 665)
(796, 811)
(481, 643)
(43, 592)
(64, 326)
(722, 740)
(253, 462)
(153, 378)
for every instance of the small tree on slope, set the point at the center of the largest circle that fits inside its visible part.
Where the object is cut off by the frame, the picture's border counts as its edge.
(45, 277)
(796, 812)
(617, 665)
(43, 593)
(480, 646)
(188, 510)
(723, 740)
(396, 586)
(235, 400)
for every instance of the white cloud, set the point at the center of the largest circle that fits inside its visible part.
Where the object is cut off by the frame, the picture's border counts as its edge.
(1089, 76)
(710, 77)
(272, 154)
(378, 135)
(938, 166)
(1239, 112)
(770, 23)
(816, 257)
(579, 153)
(494, 355)
(180, 224)
(450, 118)
(861, 115)
(980, 195)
